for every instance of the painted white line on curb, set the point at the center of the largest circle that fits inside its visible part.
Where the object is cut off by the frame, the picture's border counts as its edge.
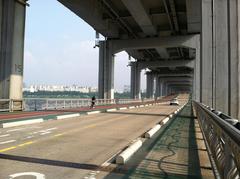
(7, 142)
(93, 112)
(20, 123)
(152, 131)
(126, 154)
(68, 116)
(131, 107)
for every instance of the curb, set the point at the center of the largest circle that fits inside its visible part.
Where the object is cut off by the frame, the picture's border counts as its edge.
(68, 116)
(124, 156)
(20, 123)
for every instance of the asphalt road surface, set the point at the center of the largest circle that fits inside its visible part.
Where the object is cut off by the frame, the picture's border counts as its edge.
(76, 147)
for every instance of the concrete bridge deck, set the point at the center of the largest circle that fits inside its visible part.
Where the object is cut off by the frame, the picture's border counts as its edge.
(81, 147)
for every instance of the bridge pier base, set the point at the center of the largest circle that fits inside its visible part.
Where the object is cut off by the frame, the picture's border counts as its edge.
(12, 30)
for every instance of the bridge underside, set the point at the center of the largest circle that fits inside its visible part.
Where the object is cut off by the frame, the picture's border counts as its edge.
(169, 38)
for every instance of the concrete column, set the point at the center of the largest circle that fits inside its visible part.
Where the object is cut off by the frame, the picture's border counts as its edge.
(206, 54)
(197, 67)
(12, 30)
(157, 88)
(106, 71)
(164, 88)
(150, 85)
(234, 56)
(135, 81)
(220, 55)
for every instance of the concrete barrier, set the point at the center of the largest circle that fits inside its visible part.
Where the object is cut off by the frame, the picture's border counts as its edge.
(165, 120)
(152, 131)
(93, 112)
(110, 110)
(123, 108)
(20, 123)
(126, 154)
(68, 116)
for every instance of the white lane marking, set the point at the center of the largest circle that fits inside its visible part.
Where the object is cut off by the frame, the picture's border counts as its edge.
(19, 129)
(37, 175)
(6, 135)
(29, 137)
(45, 133)
(54, 128)
(9, 141)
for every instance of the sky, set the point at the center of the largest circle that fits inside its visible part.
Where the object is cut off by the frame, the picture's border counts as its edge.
(59, 49)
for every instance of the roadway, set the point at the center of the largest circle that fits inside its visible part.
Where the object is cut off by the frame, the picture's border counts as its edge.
(76, 147)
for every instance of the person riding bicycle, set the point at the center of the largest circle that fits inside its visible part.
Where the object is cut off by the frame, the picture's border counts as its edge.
(93, 102)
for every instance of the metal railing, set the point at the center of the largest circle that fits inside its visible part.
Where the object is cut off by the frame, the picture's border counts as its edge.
(222, 135)
(36, 104)
(10, 105)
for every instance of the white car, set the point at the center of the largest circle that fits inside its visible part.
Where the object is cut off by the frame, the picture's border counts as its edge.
(174, 102)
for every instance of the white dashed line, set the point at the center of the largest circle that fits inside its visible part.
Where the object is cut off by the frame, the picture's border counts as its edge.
(6, 135)
(45, 133)
(19, 129)
(29, 137)
(9, 141)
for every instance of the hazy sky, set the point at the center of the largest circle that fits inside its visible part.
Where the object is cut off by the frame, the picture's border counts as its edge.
(59, 49)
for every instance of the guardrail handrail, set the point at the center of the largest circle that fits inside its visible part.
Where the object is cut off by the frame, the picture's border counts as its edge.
(222, 138)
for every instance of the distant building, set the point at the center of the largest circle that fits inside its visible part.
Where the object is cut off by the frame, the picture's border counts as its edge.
(61, 88)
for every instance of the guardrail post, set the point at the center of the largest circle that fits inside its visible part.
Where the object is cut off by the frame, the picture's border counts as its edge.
(228, 164)
(35, 104)
(46, 105)
(11, 105)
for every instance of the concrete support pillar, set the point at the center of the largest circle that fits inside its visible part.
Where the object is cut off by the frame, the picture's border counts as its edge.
(220, 55)
(106, 71)
(135, 81)
(197, 75)
(164, 88)
(150, 85)
(12, 30)
(157, 88)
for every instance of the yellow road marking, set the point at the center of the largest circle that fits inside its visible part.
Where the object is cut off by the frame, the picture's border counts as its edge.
(57, 135)
(27, 143)
(7, 149)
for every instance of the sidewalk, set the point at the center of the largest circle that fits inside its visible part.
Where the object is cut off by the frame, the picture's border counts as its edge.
(177, 151)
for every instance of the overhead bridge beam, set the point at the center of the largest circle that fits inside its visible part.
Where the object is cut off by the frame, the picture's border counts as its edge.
(169, 63)
(190, 41)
